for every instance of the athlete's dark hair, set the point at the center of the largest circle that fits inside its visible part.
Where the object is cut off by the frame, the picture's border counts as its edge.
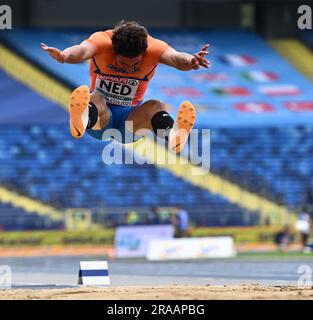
(129, 39)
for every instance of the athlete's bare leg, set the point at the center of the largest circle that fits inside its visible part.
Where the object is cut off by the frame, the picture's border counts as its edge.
(142, 118)
(103, 110)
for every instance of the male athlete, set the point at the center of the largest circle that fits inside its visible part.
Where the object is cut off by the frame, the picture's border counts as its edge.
(123, 61)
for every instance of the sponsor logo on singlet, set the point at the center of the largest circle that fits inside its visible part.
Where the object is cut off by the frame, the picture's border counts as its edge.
(117, 90)
(114, 68)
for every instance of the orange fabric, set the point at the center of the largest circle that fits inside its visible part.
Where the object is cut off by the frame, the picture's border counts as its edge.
(114, 80)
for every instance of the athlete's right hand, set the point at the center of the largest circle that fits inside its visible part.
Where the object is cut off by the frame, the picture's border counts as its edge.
(54, 53)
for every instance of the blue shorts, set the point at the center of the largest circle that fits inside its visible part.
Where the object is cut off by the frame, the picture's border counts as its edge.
(118, 116)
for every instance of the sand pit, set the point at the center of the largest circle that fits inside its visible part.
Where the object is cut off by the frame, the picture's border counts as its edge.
(171, 292)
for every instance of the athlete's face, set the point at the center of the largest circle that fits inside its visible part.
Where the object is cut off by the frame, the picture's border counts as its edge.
(128, 64)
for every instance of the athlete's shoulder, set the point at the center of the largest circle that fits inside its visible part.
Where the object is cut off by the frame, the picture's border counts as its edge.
(102, 39)
(156, 47)
(154, 43)
(108, 33)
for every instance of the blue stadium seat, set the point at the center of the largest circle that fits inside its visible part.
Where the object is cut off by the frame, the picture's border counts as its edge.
(279, 167)
(44, 162)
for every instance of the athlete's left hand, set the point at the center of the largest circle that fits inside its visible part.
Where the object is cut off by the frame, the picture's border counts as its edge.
(54, 53)
(199, 58)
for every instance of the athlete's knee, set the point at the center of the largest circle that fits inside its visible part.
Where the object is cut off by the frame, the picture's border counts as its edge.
(97, 99)
(153, 107)
(104, 113)
(157, 105)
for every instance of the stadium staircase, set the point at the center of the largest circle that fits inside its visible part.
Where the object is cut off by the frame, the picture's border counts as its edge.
(18, 212)
(296, 53)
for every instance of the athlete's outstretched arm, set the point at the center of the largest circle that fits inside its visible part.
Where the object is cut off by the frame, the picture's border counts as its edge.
(185, 61)
(75, 54)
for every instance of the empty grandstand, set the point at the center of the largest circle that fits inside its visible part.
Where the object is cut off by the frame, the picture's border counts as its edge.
(39, 159)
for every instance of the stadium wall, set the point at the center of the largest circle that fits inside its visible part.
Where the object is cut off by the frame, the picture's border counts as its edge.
(275, 18)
